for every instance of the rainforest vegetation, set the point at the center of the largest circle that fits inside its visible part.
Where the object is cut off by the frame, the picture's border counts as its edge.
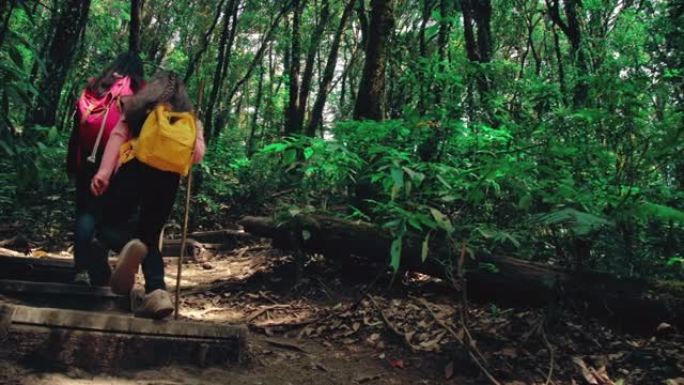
(543, 129)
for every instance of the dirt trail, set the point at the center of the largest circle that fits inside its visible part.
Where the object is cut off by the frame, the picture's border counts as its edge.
(335, 327)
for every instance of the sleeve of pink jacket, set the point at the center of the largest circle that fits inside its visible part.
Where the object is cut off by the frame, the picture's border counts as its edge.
(110, 159)
(200, 146)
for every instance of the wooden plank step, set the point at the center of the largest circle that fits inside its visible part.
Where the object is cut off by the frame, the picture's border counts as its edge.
(56, 338)
(43, 269)
(63, 295)
(36, 269)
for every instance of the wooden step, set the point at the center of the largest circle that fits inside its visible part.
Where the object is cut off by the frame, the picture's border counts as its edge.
(36, 269)
(46, 338)
(44, 269)
(62, 295)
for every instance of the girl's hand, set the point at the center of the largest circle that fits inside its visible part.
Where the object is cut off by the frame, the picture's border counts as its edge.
(99, 184)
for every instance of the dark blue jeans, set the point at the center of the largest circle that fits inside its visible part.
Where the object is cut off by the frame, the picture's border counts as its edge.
(88, 210)
(137, 186)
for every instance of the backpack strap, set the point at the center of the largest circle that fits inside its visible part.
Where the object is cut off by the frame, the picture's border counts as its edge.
(127, 151)
(93, 155)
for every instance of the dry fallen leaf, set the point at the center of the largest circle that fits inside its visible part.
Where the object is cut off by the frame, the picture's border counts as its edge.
(449, 370)
(395, 363)
(586, 373)
(593, 376)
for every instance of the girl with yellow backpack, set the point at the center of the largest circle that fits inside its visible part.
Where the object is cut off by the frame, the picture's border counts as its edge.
(153, 145)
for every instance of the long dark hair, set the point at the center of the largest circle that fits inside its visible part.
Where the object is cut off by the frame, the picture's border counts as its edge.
(164, 87)
(126, 64)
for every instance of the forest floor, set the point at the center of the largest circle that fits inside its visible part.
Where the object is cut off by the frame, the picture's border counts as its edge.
(345, 325)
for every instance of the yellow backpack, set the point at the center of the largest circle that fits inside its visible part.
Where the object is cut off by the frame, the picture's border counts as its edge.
(166, 141)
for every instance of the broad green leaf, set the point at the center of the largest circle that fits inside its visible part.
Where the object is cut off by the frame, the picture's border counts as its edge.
(662, 212)
(395, 253)
(436, 15)
(489, 267)
(397, 177)
(395, 192)
(425, 249)
(275, 147)
(7, 148)
(443, 181)
(580, 222)
(308, 152)
(525, 201)
(416, 177)
(290, 156)
(442, 220)
(415, 224)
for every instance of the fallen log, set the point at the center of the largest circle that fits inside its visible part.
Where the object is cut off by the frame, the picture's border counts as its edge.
(203, 245)
(225, 238)
(194, 250)
(629, 304)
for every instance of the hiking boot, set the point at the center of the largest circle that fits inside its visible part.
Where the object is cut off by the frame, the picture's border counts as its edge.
(156, 305)
(127, 266)
(136, 298)
(100, 271)
(82, 278)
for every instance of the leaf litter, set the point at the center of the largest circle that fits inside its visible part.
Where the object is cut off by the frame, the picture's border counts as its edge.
(416, 331)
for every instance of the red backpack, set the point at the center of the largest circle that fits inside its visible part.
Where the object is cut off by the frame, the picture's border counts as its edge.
(99, 115)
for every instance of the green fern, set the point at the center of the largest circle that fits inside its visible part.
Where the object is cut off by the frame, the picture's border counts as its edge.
(661, 212)
(579, 222)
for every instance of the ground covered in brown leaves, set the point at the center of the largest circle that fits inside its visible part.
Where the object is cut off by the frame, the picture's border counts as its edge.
(349, 325)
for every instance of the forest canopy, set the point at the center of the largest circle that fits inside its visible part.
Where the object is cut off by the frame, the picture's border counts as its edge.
(549, 130)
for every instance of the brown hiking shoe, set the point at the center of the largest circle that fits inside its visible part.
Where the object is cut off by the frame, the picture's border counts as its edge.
(127, 266)
(136, 299)
(156, 304)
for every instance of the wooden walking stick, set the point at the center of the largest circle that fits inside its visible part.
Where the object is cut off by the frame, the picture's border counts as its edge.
(184, 238)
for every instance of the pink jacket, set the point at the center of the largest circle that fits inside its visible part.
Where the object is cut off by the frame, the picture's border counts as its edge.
(121, 134)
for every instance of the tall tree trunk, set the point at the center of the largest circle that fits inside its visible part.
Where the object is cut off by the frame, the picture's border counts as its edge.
(70, 25)
(220, 62)
(225, 103)
(260, 52)
(255, 116)
(343, 93)
(369, 102)
(423, 50)
(269, 110)
(443, 42)
(572, 31)
(478, 13)
(5, 15)
(328, 73)
(204, 43)
(307, 76)
(444, 29)
(469, 32)
(559, 60)
(363, 22)
(295, 66)
(134, 26)
(675, 45)
(483, 15)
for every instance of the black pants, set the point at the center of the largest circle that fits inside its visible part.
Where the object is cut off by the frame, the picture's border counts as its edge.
(88, 210)
(139, 186)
